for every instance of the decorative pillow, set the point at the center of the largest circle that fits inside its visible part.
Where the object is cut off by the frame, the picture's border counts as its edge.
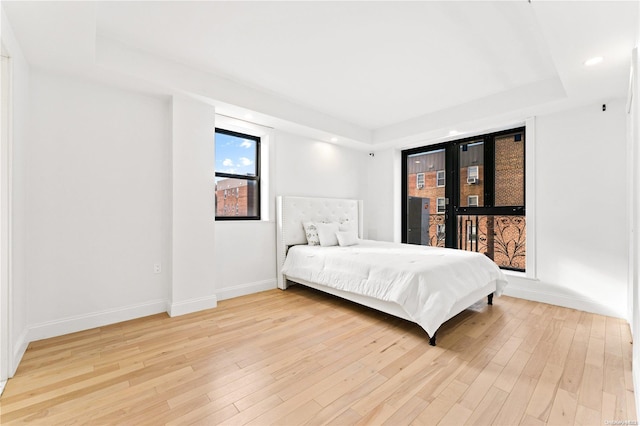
(347, 238)
(311, 231)
(327, 234)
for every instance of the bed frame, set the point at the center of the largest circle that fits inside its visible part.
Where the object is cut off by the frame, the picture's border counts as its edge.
(292, 211)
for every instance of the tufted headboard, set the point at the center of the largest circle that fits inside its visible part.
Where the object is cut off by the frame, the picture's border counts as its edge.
(292, 211)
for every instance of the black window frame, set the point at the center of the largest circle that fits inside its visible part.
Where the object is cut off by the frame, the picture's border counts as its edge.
(255, 178)
(452, 191)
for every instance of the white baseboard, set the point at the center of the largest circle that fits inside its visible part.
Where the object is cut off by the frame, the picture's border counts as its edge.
(530, 289)
(95, 319)
(19, 349)
(244, 289)
(192, 305)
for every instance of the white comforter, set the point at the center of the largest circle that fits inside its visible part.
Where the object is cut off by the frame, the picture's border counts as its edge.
(425, 281)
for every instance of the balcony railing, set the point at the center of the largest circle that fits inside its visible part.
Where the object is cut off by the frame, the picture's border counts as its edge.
(501, 238)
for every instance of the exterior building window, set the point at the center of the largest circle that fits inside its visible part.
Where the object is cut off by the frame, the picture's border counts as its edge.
(472, 201)
(420, 180)
(440, 231)
(237, 172)
(441, 206)
(472, 174)
(440, 178)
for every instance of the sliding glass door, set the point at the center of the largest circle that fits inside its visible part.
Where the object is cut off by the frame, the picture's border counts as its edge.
(469, 195)
(426, 198)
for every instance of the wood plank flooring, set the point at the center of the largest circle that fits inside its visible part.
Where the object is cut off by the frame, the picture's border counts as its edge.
(303, 357)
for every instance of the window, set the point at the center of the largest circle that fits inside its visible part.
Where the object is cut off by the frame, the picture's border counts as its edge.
(482, 200)
(472, 175)
(440, 232)
(237, 175)
(420, 180)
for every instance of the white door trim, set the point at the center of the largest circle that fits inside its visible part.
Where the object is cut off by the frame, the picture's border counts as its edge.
(6, 355)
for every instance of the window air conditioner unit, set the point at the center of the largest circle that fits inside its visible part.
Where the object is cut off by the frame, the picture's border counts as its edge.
(472, 180)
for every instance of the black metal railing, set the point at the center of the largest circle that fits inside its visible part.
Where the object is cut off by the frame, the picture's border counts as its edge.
(501, 238)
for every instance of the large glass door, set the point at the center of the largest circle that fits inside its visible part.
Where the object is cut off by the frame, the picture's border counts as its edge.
(426, 208)
(469, 195)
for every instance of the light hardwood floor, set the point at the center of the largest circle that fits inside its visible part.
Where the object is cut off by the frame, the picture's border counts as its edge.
(302, 357)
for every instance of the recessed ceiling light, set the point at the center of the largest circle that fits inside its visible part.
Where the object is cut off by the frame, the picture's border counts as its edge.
(593, 61)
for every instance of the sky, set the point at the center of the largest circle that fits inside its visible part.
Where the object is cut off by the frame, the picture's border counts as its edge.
(235, 155)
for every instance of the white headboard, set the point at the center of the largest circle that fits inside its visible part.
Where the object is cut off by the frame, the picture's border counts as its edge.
(292, 211)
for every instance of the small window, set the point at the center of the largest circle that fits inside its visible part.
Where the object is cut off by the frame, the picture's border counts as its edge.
(472, 175)
(440, 205)
(440, 227)
(237, 171)
(420, 180)
(440, 178)
(472, 201)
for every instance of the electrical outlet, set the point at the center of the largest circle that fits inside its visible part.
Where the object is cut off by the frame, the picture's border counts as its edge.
(157, 268)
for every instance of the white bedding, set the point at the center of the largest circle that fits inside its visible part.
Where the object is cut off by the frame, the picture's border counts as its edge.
(425, 281)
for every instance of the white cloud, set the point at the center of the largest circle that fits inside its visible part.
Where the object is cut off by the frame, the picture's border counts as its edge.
(245, 161)
(227, 162)
(246, 144)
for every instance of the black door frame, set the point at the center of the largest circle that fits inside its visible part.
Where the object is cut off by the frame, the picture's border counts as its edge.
(452, 183)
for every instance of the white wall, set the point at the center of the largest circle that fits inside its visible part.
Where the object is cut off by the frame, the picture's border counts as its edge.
(19, 127)
(581, 221)
(581, 206)
(193, 206)
(382, 195)
(633, 152)
(98, 204)
(314, 168)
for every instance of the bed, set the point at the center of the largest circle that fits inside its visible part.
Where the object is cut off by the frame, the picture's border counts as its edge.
(425, 285)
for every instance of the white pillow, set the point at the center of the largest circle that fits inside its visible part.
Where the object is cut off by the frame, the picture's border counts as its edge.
(347, 238)
(311, 231)
(327, 234)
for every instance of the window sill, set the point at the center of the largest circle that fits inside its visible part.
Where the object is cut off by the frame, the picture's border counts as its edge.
(520, 275)
(244, 221)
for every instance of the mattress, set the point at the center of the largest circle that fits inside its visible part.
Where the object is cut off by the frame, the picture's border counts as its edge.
(425, 281)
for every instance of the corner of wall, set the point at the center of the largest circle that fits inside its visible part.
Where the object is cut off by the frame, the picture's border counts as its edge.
(539, 291)
(20, 347)
(245, 289)
(96, 319)
(192, 305)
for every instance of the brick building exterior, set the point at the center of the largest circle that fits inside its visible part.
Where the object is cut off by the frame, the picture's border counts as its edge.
(231, 197)
(509, 167)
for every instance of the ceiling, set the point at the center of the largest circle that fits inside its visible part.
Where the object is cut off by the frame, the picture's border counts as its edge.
(368, 71)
